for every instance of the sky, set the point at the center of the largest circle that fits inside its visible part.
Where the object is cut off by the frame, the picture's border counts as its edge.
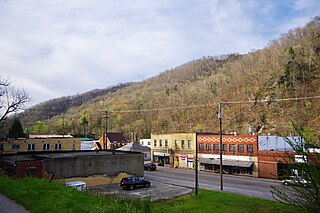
(55, 48)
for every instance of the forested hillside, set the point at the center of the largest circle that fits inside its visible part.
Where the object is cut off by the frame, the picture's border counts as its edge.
(186, 98)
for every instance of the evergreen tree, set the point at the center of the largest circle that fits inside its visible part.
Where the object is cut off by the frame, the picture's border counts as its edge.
(16, 130)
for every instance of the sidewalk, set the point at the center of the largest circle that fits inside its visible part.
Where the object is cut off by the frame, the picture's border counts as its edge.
(10, 206)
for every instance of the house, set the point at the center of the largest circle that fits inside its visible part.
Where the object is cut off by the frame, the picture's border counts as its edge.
(173, 150)
(145, 142)
(137, 147)
(40, 143)
(114, 141)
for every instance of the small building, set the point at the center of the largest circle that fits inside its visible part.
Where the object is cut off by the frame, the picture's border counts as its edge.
(145, 142)
(137, 147)
(114, 141)
(68, 164)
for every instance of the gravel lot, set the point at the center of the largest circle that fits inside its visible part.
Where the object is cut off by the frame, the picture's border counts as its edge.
(157, 191)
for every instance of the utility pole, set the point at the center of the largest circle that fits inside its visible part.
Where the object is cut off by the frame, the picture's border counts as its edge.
(105, 144)
(196, 162)
(221, 145)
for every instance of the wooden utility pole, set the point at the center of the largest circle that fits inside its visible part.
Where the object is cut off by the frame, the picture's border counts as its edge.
(221, 145)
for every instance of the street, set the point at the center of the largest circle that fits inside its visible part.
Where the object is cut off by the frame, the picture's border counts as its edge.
(248, 186)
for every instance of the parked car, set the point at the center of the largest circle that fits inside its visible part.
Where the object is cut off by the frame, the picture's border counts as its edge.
(150, 167)
(78, 185)
(296, 180)
(134, 182)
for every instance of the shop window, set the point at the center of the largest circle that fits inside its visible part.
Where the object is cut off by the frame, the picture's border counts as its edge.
(166, 143)
(250, 148)
(215, 146)
(241, 148)
(189, 144)
(201, 146)
(31, 147)
(182, 144)
(160, 143)
(154, 142)
(208, 147)
(1, 147)
(232, 147)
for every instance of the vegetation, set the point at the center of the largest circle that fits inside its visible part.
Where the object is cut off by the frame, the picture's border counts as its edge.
(186, 98)
(44, 196)
(306, 189)
(16, 130)
(11, 100)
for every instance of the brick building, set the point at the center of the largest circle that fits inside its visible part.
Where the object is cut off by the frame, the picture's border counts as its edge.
(240, 154)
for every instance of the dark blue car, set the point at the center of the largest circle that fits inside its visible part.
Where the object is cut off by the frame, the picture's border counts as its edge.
(134, 182)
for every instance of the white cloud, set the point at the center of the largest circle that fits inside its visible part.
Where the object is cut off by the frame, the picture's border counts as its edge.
(57, 48)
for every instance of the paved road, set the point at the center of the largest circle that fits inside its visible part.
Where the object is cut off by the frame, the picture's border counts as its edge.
(248, 186)
(10, 206)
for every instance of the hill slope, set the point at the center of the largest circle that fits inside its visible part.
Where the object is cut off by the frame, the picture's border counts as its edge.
(186, 98)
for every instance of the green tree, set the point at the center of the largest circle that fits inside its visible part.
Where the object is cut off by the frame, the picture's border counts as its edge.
(84, 121)
(38, 128)
(16, 130)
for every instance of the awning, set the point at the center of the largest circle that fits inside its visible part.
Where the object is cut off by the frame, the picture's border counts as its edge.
(226, 162)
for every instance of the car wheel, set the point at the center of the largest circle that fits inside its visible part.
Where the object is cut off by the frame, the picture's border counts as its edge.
(147, 185)
(131, 187)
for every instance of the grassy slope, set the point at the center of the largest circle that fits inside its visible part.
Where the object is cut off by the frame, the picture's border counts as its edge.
(44, 196)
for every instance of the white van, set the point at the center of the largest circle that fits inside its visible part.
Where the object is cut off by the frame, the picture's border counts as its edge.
(79, 185)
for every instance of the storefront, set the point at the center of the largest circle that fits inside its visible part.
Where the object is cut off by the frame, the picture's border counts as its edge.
(162, 159)
(229, 166)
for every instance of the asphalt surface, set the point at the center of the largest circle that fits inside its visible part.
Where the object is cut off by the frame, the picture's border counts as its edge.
(10, 206)
(157, 191)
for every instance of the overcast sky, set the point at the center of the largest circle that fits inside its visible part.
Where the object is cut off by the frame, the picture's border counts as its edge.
(59, 48)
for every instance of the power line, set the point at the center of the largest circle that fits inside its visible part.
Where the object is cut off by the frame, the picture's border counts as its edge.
(212, 104)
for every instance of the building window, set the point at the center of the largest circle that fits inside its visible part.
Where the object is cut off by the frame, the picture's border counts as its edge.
(166, 143)
(31, 171)
(73, 146)
(224, 147)
(1, 146)
(182, 144)
(154, 142)
(189, 144)
(58, 146)
(176, 143)
(46, 146)
(215, 146)
(241, 148)
(15, 146)
(250, 148)
(142, 143)
(201, 146)
(149, 143)
(208, 146)
(160, 143)
(31, 146)
(232, 147)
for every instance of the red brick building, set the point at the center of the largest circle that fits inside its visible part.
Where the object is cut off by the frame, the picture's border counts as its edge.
(239, 154)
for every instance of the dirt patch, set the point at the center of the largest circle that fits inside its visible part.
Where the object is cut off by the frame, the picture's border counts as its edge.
(95, 180)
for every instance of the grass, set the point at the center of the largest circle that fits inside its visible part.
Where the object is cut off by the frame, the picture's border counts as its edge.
(44, 196)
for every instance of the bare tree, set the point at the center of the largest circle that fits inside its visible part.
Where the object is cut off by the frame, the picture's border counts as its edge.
(11, 99)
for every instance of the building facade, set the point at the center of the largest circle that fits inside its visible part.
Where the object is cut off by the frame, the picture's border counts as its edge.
(41, 143)
(240, 154)
(173, 150)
